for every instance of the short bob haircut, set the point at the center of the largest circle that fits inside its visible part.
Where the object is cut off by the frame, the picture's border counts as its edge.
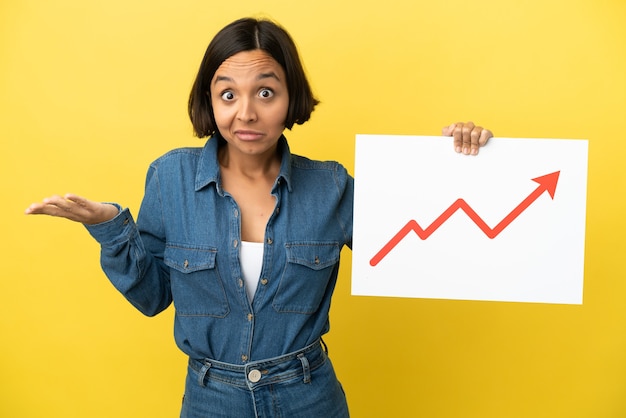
(249, 34)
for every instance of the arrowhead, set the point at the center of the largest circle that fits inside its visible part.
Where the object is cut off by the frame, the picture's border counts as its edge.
(548, 182)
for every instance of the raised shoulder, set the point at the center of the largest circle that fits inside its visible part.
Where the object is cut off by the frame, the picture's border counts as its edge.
(300, 162)
(178, 155)
(321, 173)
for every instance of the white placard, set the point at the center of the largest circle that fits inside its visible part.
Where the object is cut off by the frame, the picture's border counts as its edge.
(505, 225)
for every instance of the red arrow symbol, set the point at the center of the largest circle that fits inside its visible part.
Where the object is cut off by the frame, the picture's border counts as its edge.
(547, 183)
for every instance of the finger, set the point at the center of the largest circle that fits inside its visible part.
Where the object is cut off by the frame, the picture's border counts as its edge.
(52, 201)
(447, 130)
(457, 134)
(80, 201)
(474, 139)
(60, 202)
(35, 209)
(55, 206)
(485, 136)
(467, 137)
(50, 210)
(81, 209)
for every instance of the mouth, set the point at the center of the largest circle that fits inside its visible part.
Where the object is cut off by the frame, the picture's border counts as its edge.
(247, 135)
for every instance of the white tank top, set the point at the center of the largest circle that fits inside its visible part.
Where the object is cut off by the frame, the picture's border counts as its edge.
(251, 259)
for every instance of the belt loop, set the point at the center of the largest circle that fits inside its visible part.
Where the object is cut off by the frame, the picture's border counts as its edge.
(203, 372)
(305, 367)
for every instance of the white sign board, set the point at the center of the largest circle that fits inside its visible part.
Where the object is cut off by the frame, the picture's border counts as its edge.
(505, 225)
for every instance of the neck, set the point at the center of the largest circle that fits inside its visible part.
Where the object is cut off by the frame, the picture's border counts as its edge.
(251, 166)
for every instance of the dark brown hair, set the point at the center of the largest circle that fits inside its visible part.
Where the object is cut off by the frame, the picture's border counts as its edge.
(249, 34)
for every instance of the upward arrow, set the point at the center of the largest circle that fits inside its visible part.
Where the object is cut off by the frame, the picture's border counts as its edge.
(547, 183)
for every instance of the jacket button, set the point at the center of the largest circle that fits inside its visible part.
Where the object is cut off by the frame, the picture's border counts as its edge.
(254, 376)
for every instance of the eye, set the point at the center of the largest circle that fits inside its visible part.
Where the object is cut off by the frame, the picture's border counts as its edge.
(266, 93)
(227, 96)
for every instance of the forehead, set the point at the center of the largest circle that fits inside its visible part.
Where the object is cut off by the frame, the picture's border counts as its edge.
(249, 63)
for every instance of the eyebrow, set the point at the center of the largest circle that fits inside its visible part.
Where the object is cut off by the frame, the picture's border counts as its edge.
(261, 76)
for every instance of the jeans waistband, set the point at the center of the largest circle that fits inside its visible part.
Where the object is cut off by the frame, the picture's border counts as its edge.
(262, 372)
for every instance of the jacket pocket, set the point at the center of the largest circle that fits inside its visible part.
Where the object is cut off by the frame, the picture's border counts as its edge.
(197, 288)
(306, 277)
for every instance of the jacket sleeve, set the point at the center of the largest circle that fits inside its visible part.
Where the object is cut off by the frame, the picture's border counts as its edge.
(345, 188)
(132, 257)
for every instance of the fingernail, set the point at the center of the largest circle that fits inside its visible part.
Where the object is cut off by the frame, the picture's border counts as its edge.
(458, 149)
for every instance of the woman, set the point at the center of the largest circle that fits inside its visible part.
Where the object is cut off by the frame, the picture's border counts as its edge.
(241, 235)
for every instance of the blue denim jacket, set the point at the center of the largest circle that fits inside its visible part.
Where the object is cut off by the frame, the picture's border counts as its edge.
(184, 248)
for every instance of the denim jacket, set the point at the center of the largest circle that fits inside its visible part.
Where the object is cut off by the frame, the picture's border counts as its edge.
(184, 248)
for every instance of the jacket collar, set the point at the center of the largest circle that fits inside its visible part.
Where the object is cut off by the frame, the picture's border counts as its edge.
(208, 170)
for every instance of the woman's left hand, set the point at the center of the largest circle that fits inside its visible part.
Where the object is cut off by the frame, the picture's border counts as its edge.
(468, 137)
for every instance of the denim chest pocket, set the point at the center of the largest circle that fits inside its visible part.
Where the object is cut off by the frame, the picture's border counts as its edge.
(197, 288)
(306, 275)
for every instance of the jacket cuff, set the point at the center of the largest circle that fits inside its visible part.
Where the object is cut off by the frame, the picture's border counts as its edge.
(120, 228)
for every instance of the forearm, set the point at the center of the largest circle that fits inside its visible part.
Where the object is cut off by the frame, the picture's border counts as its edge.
(140, 276)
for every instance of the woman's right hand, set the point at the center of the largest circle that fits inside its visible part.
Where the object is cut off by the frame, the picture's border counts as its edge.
(74, 208)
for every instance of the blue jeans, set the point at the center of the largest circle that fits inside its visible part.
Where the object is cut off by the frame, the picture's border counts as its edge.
(300, 384)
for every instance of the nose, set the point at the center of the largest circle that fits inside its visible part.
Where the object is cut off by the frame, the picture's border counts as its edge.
(246, 111)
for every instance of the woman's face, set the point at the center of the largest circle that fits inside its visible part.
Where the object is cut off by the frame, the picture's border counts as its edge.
(250, 101)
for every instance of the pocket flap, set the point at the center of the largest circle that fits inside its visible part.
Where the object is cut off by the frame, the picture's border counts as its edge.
(316, 256)
(187, 259)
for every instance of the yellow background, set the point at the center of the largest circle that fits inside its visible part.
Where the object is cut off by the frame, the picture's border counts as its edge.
(92, 91)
